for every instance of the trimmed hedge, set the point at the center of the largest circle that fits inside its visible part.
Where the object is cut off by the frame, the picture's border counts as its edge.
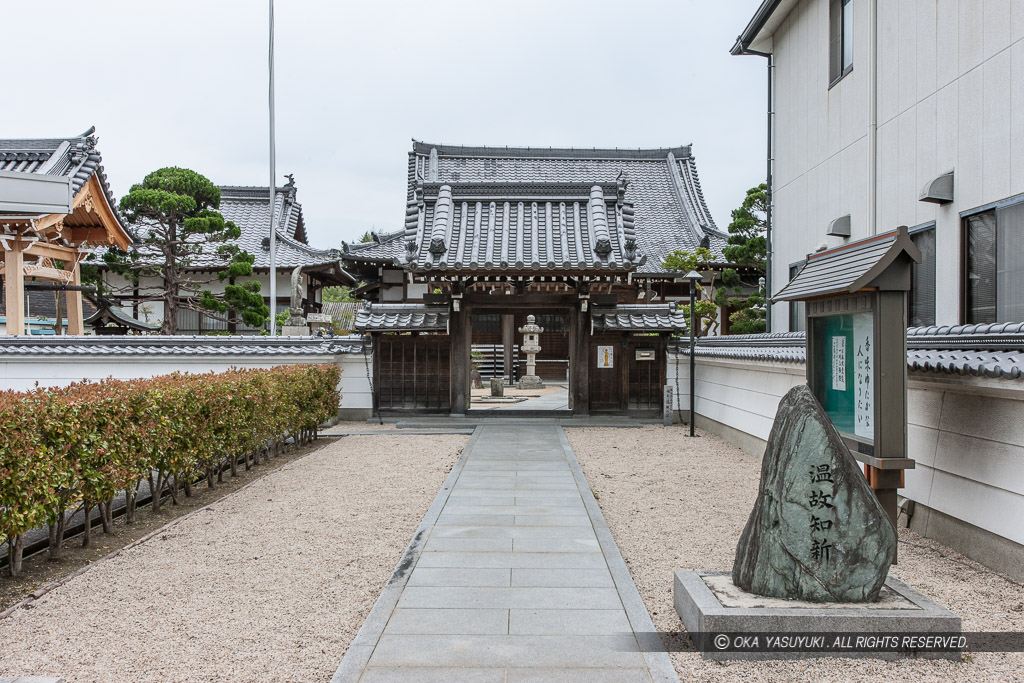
(83, 444)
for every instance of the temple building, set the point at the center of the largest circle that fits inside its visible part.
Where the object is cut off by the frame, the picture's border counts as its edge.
(575, 237)
(249, 208)
(43, 245)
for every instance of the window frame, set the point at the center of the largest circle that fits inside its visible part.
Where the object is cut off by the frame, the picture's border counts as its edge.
(917, 229)
(837, 24)
(794, 268)
(965, 268)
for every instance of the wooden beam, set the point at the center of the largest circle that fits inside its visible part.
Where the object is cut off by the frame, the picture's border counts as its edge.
(76, 318)
(83, 236)
(529, 300)
(49, 274)
(53, 221)
(14, 287)
(579, 362)
(53, 251)
(508, 336)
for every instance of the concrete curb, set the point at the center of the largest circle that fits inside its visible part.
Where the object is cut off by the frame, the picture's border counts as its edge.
(657, 659)
(358, 654)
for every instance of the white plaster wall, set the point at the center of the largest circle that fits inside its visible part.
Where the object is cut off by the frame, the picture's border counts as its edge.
(743, 395)
(950, 97)
(19, 373)
(965, 434)
(968, 442)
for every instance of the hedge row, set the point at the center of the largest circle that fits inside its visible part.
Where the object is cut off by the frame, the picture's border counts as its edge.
(78, 447)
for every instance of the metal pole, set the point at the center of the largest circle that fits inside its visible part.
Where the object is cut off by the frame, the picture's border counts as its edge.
(768, 204)
(693, 346)
(273, 188)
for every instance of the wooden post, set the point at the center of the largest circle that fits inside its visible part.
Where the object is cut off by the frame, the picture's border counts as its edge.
(14, 287)
(579, 362)
(458, 329)
(508, 330)
(76, 324)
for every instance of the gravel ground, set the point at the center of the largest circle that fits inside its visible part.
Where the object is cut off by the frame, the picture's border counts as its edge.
(678, 503)
(271, 583)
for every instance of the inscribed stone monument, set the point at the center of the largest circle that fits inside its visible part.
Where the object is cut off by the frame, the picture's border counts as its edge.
(817, 531)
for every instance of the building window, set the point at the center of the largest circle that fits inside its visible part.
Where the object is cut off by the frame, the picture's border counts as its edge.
(840, 39)
(797, 309)
(994, 268)
(921, 311)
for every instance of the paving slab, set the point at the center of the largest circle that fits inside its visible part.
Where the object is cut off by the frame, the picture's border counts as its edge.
(449, 621)
(508, 651)
(512, 532)
(475, 545)
(552, 578)
(568, 622)
(511, 576)
(460, 576)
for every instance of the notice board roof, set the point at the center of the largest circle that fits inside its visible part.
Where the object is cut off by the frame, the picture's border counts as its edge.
(851, 267)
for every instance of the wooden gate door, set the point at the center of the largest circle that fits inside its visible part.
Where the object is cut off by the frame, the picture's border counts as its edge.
(412, 373)
(606, 375)
(646, 376)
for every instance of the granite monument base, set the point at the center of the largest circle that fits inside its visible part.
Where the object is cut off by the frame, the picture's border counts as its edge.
(709, 604)
(295, 331)
(530, 382)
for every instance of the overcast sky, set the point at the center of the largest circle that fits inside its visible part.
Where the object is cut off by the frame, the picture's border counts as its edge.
(184, 83)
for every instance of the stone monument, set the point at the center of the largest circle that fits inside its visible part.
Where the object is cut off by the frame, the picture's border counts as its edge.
(814, 557)
(817, 531)
(531, 347)
(497, 387)
(295, 325)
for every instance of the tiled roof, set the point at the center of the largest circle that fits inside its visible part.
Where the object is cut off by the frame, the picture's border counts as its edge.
(388, 247)
(638, 318)
(849, 268)
(995, 350)
(663, 185)
(343, 313)
(578, 227)
(179, 346)
(75, 157)
(249, 208)
(107, 312)
(402, 318)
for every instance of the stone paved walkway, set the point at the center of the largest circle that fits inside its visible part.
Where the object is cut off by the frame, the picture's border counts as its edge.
(513, 576)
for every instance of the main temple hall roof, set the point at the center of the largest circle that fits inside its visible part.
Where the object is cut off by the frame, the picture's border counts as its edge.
(662, 193)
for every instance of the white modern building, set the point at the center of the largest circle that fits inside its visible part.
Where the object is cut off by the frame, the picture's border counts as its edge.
(900, 113)
(884, 113)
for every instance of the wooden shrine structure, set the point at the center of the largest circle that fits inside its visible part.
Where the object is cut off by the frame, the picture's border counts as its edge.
(493, 232)
(49, 247)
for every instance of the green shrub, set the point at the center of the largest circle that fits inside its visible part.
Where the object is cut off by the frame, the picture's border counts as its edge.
(82, 444)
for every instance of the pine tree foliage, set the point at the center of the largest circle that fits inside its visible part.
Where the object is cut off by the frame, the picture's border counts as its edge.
(747, 250)
(181, 239)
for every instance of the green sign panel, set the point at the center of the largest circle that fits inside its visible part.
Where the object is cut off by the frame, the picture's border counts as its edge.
(845, 385)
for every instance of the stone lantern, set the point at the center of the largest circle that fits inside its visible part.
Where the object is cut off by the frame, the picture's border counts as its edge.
(531, 347)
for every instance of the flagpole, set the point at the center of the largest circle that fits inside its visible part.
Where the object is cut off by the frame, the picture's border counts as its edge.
(273, 188)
